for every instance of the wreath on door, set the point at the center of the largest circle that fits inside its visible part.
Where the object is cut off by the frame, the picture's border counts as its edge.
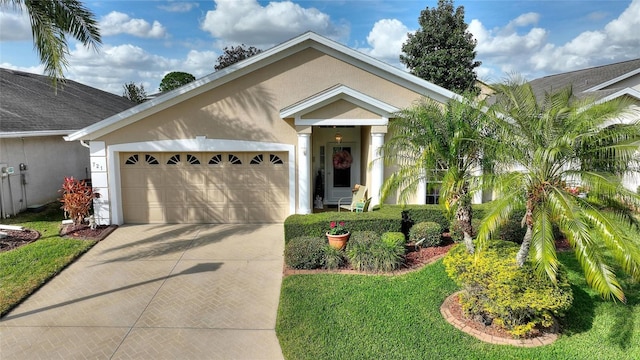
(342, 160)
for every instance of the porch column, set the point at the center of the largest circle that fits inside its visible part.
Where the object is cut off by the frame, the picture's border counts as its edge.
(477, 197)
(377, 166)
(304, 170)
(421, 192)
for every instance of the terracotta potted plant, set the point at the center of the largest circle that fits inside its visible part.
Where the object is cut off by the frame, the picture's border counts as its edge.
(338, 235)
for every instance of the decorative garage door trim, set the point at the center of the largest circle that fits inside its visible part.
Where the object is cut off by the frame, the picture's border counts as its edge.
(200, 144)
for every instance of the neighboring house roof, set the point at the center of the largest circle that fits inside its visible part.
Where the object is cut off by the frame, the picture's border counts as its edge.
(263, 59)
(30, 106)
(601, 82)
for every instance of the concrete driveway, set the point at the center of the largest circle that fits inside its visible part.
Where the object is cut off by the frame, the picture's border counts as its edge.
(158, 292)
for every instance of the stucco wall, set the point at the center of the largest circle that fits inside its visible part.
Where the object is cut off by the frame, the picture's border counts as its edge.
(48, 159)
(248, 108)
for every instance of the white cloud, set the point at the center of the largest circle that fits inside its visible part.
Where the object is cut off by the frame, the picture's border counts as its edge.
(506, 40)
(527, 19)
(385, 40)
(116, 23)
(248, 22)
(114, 66)
(14, 26)
(624, 29)
(179, 6)
(529, 53)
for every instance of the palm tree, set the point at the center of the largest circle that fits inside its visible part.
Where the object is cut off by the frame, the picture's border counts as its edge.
(51, 21)
(555, 144)
(443, 142)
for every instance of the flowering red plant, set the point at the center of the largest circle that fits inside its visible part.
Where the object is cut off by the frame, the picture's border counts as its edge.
(337, 228)
(77, 198)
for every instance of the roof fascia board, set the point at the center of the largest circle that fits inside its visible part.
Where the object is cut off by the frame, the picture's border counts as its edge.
(339, 93)
(382, 69)
(24, 134)
(627, 91)
(188, 91)
(265, 58)
(614, 80)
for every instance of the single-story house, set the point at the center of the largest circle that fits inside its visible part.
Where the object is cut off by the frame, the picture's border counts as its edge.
(253, 142)
(601, 83)
(34, 117)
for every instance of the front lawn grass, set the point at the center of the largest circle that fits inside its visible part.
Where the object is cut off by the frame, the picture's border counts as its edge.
(332, 316)
(24, 270)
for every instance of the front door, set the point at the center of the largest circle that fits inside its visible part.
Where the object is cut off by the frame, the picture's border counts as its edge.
(343, 171)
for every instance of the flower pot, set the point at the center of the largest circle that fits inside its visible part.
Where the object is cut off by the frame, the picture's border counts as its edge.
(338, 241)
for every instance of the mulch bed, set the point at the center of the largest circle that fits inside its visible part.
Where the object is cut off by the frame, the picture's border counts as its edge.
(85, 232)
(18, 238)
(415, 259)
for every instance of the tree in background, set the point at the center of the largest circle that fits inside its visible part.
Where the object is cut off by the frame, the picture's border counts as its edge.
(51, 22)
(549, 141)
(234, 54)
(443, 51)
(135, 93)
(174, 80)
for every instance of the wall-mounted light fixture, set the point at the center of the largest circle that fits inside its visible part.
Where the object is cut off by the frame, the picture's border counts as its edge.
(338, 137)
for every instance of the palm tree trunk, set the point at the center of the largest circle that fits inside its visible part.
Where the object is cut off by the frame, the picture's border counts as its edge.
(463, 217)
(523, 253)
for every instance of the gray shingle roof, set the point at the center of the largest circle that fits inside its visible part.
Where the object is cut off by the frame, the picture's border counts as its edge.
(585, 79)
(28, 102)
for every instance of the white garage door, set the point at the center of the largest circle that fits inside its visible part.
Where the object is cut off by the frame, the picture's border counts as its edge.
(238, 187)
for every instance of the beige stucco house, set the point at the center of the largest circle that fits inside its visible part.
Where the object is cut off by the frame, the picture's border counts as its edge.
(245, 144)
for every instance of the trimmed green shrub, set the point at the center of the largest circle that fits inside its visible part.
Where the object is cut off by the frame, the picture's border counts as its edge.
(333, 258)
(456, 234)
(423, 213)
(367, 252)
(394, 237)
(305, 252)
(429, 231)
(498, 291)
(383, 220)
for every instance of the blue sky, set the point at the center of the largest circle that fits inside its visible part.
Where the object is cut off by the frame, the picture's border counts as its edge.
(144, 40)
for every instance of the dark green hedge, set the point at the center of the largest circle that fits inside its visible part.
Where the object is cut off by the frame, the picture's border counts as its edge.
(386, 218)
(380, 221)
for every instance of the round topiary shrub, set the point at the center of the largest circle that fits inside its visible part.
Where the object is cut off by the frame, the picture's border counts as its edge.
(498, 291)
(305, 252)
(431, 232)
(367, 252)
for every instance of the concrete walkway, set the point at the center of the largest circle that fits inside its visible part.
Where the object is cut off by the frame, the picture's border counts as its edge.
(158, 292)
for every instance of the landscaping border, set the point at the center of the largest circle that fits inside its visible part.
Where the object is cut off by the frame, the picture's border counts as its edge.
(542, 340)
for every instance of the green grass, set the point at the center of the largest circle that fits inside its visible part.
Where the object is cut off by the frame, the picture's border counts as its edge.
(24, 270)
(329, 316)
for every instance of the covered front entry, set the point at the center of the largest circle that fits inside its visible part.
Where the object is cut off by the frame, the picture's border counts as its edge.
(204, 187)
